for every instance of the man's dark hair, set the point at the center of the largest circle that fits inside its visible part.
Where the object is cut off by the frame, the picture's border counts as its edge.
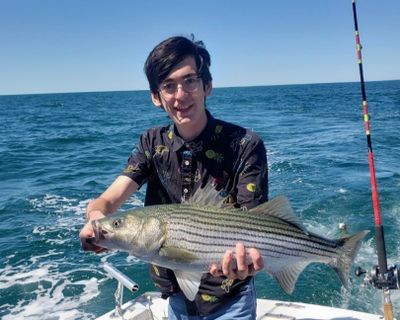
(166, 55)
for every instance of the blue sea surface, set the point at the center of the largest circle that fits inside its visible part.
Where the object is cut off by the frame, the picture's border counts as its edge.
(59, 151)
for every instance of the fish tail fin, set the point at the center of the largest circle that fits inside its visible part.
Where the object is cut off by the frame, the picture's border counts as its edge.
(348, 251)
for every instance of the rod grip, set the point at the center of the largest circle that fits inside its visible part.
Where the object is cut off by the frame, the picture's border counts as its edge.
(388, 311)
(381, 250)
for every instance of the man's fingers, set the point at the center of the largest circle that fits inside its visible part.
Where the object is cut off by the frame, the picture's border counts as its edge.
(226, 264)
(257, 260)
(242, 270)
(87, 239)
(215, 270)
(239, 264)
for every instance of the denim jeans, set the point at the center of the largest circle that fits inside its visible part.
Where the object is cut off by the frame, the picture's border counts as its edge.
(242, 306)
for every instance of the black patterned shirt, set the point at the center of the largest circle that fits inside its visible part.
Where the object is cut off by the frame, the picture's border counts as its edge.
(226, 154)
(174, 169)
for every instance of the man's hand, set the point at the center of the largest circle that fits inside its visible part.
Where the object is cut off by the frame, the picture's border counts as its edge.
(248, 262)
(87, 233)
(110, 200)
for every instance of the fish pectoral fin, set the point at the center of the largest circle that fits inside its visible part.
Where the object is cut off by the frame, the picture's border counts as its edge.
(287, 276)
(177, 254)
(189, 282)
(280, 207)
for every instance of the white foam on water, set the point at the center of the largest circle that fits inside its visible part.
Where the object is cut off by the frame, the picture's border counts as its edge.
(367, 299)
(59, 204)
(10, 276)
(66, 216)
(49, 285)
(133, 202)
(325, 230)
(55, 286)
(54, 305)
(133, 259)
(393, 215)
(342, 190)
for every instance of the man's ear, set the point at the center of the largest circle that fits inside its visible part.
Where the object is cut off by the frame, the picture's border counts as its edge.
(155, 97)
(208, 89)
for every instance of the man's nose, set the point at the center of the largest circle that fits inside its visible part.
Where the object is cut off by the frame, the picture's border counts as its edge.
(180, 92)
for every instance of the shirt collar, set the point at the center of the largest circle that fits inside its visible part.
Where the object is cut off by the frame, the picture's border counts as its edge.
(178, 142)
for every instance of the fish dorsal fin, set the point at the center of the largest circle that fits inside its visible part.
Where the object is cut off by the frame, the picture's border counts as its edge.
(280, 207)
(208, 196)
(189, 282)
(287, 276)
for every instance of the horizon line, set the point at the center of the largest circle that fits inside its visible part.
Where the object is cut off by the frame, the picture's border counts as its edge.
(221, 87)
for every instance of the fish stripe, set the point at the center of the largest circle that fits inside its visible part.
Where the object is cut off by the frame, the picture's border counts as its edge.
(264, 247)
(186, 231)
(225, 226)
(297, 233)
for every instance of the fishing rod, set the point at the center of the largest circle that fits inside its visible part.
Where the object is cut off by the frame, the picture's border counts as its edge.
(382, 276)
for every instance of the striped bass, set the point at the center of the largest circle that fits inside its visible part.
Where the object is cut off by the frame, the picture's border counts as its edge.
(187, 238)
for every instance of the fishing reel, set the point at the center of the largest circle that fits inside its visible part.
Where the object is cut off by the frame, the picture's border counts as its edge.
(389, 280)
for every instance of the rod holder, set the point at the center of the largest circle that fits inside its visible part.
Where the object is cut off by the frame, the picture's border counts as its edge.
(120, 277)
(123, 281)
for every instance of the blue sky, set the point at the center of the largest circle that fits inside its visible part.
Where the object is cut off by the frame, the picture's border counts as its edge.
(82, 45)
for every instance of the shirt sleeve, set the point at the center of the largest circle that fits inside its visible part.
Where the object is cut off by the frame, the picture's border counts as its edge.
(252, 176)
(139, 163)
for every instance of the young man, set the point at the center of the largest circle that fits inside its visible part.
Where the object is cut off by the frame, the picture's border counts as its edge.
(176, 160)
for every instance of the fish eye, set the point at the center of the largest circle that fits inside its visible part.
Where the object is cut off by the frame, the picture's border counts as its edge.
(117, 223)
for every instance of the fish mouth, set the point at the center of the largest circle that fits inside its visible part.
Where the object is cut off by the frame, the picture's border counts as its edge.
(100, 233)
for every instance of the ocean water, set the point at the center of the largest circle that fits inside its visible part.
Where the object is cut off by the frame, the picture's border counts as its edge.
(58, 151)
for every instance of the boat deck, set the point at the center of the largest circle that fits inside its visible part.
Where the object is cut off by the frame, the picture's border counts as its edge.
(150, 306)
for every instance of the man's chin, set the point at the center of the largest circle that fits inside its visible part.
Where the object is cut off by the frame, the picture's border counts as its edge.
(183, 121)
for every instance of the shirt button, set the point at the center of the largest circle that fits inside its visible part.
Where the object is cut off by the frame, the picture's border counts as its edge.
(185, 190)
(187, 162)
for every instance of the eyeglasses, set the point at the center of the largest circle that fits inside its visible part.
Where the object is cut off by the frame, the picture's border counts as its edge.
(189, 84)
